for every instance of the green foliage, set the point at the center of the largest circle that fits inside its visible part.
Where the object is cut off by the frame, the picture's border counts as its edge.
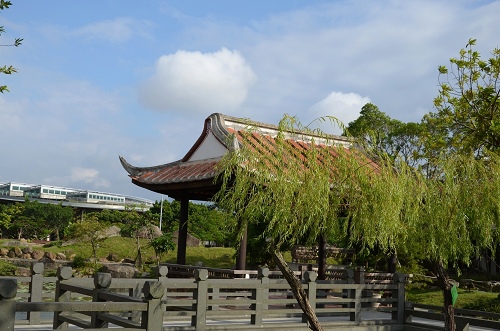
(17, 42)
(484, 303)
(90, 230)
(379, 133)
(206, 221)
(7, 269)
(79, 262)
(300, 198)
(162, 245)
(468, 114)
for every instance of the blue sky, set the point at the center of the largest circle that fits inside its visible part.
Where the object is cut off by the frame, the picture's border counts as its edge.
(99, 79)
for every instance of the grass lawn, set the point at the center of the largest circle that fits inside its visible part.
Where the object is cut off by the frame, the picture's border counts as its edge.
(465, 298)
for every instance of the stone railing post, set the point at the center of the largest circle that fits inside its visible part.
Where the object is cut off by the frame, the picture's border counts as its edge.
(260, 294)
(36, 289)
(353, 295)
(102, 282)
(200, 294)
(8, 290)
(399, 295)
(310, 278)
(162, 274)
(63, 273)
(152, 319)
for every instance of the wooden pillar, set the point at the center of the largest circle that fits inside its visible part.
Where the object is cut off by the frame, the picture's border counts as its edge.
(183, 231)
(241, 258)
(392, 263)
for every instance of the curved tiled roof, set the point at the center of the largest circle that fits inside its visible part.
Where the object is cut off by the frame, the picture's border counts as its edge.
(194, 174)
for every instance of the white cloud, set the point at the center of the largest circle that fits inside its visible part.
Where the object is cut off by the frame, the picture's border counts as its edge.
(198, 82)
(343, 106)
(118, 30)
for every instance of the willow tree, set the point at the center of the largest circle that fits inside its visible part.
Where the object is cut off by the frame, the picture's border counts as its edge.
(459, 216)
(301, 185)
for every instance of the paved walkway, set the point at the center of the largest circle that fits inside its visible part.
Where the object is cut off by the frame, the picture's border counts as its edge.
(365, 316)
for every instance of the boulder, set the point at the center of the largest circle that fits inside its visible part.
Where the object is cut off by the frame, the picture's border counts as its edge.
(37, 254)
(112, 231)
(17, 252)
(128, 260)
(149, 232)
(51, 256)
(120, 270)
(27, 250)
(4, 251)
(26, 256)
(60, 256)
(113, 257)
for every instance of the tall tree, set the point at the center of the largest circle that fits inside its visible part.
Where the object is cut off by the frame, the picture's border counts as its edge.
(7, 69)
(323, 191)
(459, 216)
(378, 132)
(90, 230)
(468, 105)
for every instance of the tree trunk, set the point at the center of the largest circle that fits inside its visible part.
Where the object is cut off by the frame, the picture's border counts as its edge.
(297, 289)
(444, 284)
(321, 257)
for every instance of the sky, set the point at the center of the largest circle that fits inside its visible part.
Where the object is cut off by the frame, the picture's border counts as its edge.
(100, 79)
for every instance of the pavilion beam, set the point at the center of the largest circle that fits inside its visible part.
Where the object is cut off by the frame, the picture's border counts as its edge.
(183, 231)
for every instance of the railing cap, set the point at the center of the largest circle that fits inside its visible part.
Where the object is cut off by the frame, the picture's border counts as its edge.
(102, 280)
(153, 289)
(310, 276)
(64, 273)
(37, 268)
(8, 288)
(201, 274)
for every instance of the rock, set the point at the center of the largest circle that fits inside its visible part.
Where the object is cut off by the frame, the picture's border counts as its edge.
(23, 272)
(112, 231)
(37, 254)
(27, 250)
(72, 256)
(4, 251)
(11, 254)
(120, 270)
(49, 255)
(16, 251)
(48, 264)
(128, 260)
(113, 257)
(149, 232)
(26, 256)
(60, 256)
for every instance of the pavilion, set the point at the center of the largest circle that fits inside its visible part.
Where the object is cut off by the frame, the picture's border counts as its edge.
(194, 176)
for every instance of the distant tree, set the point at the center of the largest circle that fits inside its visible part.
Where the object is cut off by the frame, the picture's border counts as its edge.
(17, 42)
(206, 221)
(468, 105)
(376, 131)
(5, 218)
(162, 245)
(89, 230)
(111, 216)
(58, 217)
(135, 225)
